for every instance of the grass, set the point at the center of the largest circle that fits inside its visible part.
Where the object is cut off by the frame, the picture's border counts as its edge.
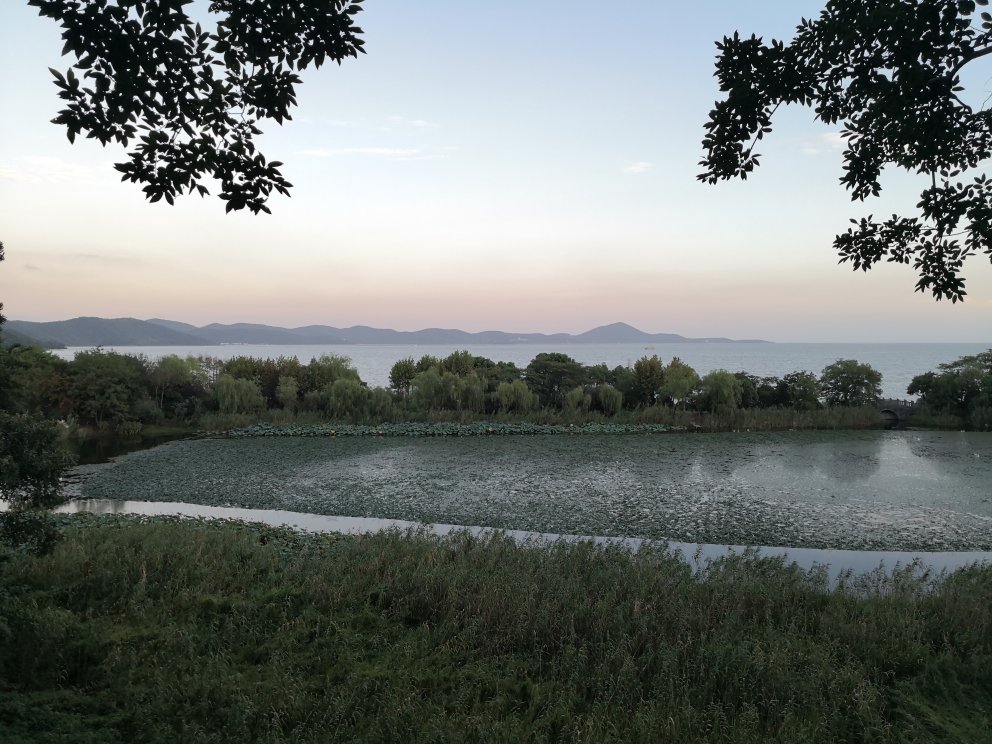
(742, 419)
(167, 630)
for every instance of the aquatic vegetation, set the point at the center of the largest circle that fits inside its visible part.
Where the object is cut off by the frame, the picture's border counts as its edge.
(853, 490)
(444, 429)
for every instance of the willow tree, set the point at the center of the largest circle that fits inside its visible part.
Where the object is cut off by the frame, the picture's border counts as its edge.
(888, 72)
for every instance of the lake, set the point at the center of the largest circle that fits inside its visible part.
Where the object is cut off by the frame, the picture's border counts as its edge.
(901, 491)
(898, 363)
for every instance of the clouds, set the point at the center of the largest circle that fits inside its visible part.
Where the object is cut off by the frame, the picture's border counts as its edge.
(826, 142)
(388, 153)
(641, 166)
(402, 121)
(387, 124)
(404, 153)
(400, 128)
(35, 170)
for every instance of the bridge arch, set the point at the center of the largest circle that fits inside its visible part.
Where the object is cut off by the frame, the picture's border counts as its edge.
(890, 418)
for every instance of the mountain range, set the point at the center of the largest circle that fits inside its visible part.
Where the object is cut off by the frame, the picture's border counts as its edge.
(160, 332)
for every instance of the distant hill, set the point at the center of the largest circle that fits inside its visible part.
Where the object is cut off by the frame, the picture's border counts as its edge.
(9, 338)
(104, 332)
(161, 332)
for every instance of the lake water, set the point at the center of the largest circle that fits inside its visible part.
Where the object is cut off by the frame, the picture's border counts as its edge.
(896, 491)
(898, 363)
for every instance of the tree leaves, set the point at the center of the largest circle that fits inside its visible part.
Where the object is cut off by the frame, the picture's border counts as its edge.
(888, 72)
(185, 101)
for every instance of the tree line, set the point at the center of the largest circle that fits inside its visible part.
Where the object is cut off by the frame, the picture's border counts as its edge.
(120, 393)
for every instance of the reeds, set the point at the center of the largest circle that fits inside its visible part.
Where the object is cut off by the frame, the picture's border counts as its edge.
(198, 631)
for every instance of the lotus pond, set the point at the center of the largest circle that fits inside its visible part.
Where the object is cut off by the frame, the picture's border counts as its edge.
(929, 491)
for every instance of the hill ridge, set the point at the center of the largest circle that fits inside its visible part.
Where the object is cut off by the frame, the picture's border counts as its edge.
(93, 331)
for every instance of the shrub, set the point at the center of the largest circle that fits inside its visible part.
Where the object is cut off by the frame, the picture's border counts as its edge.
(577, 399)
(238, 395)
(515, 397)
(33, 459)
(610, 399)
(32, 531)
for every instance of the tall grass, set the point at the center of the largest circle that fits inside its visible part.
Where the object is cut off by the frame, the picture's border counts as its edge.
(169, 631)
(751, 419)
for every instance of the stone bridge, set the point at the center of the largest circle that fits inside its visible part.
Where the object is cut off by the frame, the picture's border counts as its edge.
(895, 413)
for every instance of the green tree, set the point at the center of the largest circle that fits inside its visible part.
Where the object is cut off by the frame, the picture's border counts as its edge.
(188, 101)
(679, 382)
(577, 400)
(848, 382)
(464, 392)
(33, 460)
(960, 388)
(551, 375)
(599, 374)
(266, 372)
(426, 362)
(33, 380)
(428, 390)
(380, 404)
(516, 397)
(238, 395)
(212, 367)
(401, 375)
(107, 387)
(458, 363)
(889, 72)
(623, 381)
(801, 391)
(649, 377)
(720, 391)
(177, 382)
(609, 399)
(772, 392)
(346, 399)
(493, 374)
(749, 389)
(33, 455)
(288, 392)
(326, 369)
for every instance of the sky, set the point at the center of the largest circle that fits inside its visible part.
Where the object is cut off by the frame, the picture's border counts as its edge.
(511, 165)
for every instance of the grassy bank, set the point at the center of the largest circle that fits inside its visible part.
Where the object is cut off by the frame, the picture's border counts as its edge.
(743, 419)
(196, 631)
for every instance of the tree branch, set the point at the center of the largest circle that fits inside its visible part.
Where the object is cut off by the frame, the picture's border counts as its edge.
(973, 56)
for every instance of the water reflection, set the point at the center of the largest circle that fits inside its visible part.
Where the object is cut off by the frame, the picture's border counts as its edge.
(834, 561)
(99, 450)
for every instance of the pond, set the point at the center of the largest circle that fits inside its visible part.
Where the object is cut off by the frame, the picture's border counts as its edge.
(889, 491)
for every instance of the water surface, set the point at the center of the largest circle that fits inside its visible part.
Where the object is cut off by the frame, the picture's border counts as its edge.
(902, 491)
